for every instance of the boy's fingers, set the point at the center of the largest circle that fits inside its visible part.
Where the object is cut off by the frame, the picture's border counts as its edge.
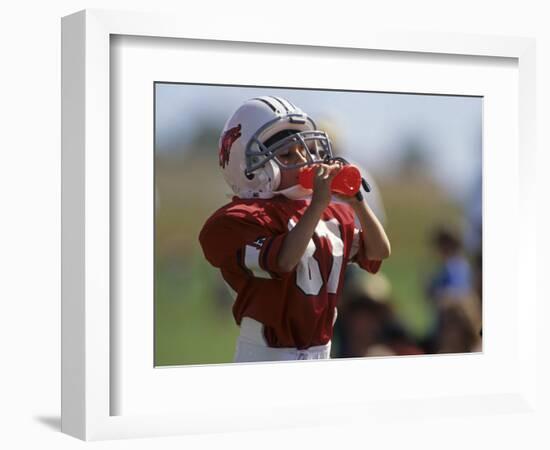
(323, 169)
(327, 172)
(334, 169)
(320, 170)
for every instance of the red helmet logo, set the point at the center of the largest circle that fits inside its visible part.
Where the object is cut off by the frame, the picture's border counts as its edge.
(228, 138)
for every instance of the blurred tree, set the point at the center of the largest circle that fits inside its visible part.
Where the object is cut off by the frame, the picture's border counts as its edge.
(205, 141)
(413, 160)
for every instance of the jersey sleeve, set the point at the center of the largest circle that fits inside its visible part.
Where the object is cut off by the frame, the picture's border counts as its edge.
(242, 244)
(357, 253)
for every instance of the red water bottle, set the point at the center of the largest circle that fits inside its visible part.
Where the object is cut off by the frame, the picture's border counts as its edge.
(347, 182)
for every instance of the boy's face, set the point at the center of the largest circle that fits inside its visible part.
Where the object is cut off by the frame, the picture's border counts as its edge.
(290, 156)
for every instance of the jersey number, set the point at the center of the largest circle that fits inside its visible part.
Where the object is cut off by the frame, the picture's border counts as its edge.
(308, 272)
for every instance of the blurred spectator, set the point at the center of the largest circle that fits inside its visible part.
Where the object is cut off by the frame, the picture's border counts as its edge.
(474, 236)
(460, 325)
(367, 325)
(454, 275)
(454, 297)
(396, 337)
(478, 274)
(473, 207)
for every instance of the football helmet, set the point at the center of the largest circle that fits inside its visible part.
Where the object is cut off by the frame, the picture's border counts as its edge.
(256, 134)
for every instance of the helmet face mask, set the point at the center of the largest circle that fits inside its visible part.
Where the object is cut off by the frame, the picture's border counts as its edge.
(314, 146)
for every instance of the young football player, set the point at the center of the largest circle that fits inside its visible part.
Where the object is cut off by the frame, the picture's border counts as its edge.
(282, 249)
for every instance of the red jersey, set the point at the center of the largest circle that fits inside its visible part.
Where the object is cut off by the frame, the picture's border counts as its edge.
(297, 308)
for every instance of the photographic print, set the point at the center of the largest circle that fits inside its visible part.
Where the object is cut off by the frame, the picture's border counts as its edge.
(305, 224)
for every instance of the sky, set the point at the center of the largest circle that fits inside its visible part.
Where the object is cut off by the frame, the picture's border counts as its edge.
(371, 128)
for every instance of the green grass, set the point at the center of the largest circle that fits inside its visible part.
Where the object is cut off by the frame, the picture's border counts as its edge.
(194, 324)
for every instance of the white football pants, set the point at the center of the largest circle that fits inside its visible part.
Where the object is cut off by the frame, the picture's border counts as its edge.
(252, 347)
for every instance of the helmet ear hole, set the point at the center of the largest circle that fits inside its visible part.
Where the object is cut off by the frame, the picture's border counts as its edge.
(250, 176)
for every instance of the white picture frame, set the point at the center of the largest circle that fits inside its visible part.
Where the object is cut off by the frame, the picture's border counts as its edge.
(87, 328)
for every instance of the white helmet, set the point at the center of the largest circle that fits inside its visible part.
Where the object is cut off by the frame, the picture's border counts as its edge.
(255, 134)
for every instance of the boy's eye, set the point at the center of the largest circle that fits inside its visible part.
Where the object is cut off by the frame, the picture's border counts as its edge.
(312, 148)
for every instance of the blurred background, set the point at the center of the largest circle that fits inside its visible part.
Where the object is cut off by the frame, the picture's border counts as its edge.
(422, 154)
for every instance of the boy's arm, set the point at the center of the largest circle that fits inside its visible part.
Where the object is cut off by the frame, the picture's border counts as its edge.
(297, 239)
(376, 243)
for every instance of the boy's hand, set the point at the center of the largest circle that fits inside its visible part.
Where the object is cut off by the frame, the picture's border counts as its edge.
(321, 184)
